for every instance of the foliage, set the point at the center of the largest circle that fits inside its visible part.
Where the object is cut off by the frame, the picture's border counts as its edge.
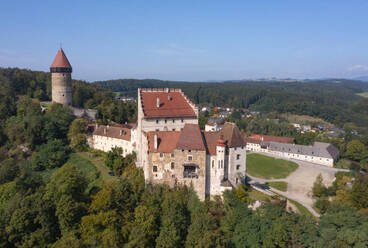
(355, 150)
(319, 189)
(9, 170)
(77, 134)
(268, 167)
(50, 155)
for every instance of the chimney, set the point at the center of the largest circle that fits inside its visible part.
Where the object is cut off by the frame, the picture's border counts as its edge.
(104, 130)
(121, 132)
(155, 142)
(158, 102)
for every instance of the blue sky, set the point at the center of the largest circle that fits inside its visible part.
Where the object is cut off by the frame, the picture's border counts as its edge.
(189, 40)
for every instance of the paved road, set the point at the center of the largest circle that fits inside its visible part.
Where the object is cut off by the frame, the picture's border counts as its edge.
(300, 182)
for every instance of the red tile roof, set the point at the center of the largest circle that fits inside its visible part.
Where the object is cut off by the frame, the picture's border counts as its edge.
(211, 139)
(178, 105)
(60, 60)
(191, 138)
(166, 141)
(113, 132)
(232, 135)
(268, 138)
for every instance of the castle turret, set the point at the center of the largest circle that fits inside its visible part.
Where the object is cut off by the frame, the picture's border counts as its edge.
(61, 79)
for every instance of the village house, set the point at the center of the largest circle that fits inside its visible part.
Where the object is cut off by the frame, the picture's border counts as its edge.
(214, 124)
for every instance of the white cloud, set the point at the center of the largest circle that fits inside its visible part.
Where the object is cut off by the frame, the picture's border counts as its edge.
(358, 68)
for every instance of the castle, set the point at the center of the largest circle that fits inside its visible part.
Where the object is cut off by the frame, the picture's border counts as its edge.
(169, 144)
(171, 148)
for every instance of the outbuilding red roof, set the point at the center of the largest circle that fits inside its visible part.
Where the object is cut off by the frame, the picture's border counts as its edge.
(116, 132)
(60, 60)
(171, 104)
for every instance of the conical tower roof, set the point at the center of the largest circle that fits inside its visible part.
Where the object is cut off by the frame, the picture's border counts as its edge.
(60, 60)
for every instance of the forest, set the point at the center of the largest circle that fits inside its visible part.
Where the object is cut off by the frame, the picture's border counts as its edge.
(51, 195)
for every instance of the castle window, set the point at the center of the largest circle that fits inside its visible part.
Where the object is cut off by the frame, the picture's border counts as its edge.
(238, 156)
(213, 163)
(165, 121)
(182, 120)
(238, 166)
(189, 150)
(172, 155)
(219, 164)
(156, 121)
(173, 129)
(154, 168)
(235, 148)
(173, 176)
(172, 165)
(161, 154)
(157, 130)
(222, 164)
(173, 121)
(190, 158)
(237, 180)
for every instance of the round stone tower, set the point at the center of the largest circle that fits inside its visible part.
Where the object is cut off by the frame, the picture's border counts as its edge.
(61, 79)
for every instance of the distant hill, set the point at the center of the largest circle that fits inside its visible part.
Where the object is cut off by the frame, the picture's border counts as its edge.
(362, 78)
(334, 100)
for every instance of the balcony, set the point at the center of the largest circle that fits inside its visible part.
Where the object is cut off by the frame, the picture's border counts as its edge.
(190, 174)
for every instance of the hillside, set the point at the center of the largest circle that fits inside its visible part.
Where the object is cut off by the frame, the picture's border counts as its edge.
(334, 100)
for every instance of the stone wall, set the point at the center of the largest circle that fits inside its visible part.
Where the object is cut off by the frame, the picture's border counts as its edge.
(62, 88)
(160, 169)
(237, 165)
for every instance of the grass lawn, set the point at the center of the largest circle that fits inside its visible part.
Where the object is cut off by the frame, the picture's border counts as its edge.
(266, 167)
(99, 164)
(343, 164)
(363, 94)
(88, 170)
(282, 186)
(257, 195)
(302, 210)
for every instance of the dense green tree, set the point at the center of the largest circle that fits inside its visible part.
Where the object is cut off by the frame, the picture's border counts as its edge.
(204, 230)
(110, 215)
(66, 190)
(355, 150)
(50, 155)
(77, 134)
(9, 170)
(174, 219)
(341, 226)
(319, 189)
(57, 121)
